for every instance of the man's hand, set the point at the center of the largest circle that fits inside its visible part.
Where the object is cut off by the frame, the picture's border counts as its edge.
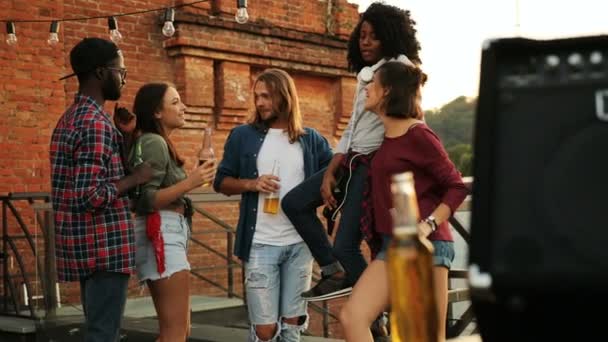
(124, 120)
(327, 188)
(143, 173)
(266, 184)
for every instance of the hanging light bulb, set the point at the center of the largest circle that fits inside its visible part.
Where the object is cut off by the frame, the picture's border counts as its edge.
(241, 16)
(53, 36)
(114, 33)
(11, 37)
(168, 28)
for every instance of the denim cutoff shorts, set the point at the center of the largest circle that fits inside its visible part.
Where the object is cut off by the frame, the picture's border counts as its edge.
(176, 232)
(443, 251)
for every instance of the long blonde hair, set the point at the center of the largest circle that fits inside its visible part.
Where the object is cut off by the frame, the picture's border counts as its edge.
(284, 101)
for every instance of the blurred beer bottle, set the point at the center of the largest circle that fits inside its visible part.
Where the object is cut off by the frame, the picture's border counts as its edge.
(410, 269)
(271, 202)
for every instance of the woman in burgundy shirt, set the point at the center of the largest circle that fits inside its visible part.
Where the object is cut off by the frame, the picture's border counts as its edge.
(409, 145)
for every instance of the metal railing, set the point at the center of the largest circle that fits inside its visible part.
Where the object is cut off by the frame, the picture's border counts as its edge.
(46, 277)
(18, 240)
(457, 325)
(231, 263)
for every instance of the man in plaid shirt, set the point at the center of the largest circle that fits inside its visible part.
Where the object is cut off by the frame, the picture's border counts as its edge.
(94, 233)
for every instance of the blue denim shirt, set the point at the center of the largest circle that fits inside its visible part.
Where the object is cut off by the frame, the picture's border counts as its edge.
(240, 161)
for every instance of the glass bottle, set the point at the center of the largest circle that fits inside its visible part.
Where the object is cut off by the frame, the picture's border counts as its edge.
(271, 202)
(410, 270)
(206, 153)
(137, 160)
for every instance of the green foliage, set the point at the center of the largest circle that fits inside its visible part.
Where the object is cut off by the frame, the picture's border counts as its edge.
(453, 123)
(461, 155)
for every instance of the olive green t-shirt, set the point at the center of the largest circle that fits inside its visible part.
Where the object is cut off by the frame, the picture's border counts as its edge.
(153, 149)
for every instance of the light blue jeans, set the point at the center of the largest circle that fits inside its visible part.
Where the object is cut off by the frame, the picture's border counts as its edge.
(275, 277)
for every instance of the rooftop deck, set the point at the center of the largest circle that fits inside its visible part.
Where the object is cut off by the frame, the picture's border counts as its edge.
(140, 324)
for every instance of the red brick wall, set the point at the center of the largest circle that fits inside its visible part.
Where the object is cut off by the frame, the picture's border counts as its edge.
(212, 61)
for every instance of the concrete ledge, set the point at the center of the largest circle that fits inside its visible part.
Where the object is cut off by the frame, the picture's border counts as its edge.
(17, 325)
(144, 307)
(211, 333)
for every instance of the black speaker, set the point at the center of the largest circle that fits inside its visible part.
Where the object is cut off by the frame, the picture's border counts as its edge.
(539, 230)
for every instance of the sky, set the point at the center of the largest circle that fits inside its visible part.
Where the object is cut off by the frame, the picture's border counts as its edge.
(451, 33)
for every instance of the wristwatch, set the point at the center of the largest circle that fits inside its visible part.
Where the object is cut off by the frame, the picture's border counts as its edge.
(431, 221)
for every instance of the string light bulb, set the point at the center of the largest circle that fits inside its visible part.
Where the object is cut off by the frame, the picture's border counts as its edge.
(11, 36)
(241, 16)
(115, 35)
(53, 36)
(168, 28)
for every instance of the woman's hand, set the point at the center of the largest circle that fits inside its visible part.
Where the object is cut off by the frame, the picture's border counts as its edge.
(209, 170)
(424, 229)
(266, 184)
(203, 175)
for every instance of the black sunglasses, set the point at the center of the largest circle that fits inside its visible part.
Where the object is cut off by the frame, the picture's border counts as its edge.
(121, 71)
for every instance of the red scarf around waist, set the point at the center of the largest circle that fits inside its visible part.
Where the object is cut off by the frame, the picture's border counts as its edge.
(155, 235)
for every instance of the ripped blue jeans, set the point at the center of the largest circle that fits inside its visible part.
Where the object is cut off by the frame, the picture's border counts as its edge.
(275, 277)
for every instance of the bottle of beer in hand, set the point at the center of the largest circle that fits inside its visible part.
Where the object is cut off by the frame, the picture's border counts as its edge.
(137, 160)
(414, 315)
(271, 202)
(206, 153)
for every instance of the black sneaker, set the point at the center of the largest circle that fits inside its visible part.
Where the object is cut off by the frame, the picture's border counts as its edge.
(328, 288)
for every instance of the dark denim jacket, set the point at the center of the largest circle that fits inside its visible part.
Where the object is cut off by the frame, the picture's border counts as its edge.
(240, 161)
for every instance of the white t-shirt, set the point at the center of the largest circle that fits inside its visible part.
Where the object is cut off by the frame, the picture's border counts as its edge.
(276, 229)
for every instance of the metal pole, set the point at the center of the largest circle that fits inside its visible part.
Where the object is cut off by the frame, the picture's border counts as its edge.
(229, 264)
(51, 271)
(4, 256)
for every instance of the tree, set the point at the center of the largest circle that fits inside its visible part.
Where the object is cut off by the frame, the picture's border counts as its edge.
(453, 123)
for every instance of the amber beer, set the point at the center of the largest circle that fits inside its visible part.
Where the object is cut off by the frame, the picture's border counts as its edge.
(414, 315)
(271, 205)
(271, 202)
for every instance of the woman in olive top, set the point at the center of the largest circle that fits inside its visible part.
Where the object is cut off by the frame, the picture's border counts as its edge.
(162, 210)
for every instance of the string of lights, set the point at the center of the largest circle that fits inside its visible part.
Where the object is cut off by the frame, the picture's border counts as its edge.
(168, 29)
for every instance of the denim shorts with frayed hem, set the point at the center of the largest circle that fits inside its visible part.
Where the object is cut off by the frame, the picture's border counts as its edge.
(176, 233)
(443, 252)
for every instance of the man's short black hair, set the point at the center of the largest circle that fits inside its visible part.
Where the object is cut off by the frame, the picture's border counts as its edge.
(89, 54)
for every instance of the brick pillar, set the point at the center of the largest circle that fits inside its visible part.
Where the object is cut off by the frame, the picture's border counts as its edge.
(347, 87)
(194, 78)
(233, 94)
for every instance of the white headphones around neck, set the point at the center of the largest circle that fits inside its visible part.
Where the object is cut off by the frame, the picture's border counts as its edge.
(367, 73)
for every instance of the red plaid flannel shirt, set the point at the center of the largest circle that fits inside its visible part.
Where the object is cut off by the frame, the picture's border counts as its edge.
(366, 222)
(93, 227)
